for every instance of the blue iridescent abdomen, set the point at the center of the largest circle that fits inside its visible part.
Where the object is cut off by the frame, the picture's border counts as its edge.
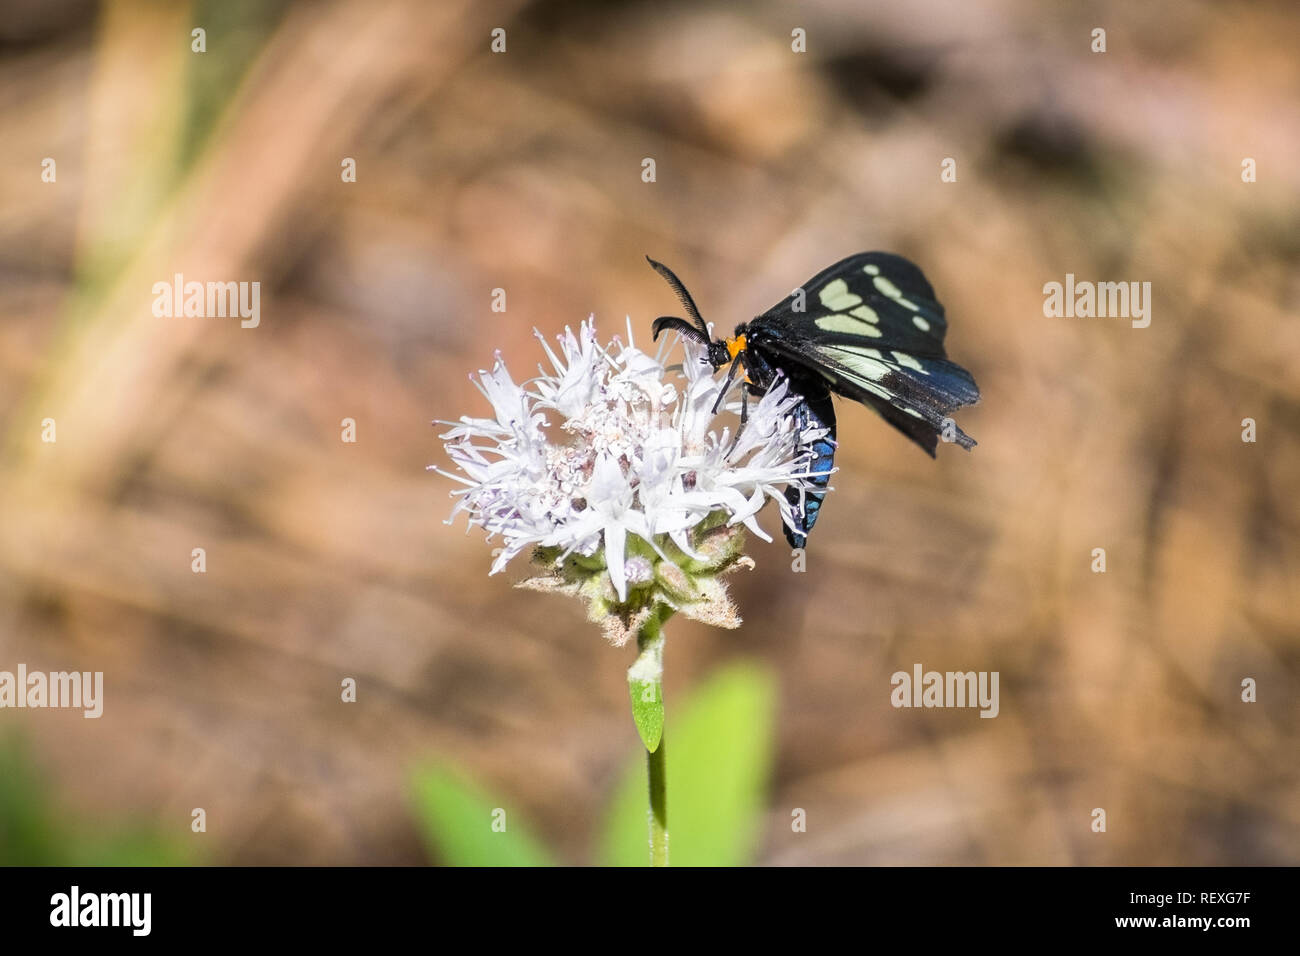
(814, 411)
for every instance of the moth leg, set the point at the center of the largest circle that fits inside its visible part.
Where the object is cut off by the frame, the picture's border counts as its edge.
(744, 417)
(731, 377)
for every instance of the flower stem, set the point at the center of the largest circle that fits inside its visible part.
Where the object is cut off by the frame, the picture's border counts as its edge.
(658, 812)
(645, 681)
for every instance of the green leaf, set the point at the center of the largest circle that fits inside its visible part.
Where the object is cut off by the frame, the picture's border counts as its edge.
(645, 686)
(29, 831)
(718, 764)
(35, 831)
(647, 711)
(463, 827)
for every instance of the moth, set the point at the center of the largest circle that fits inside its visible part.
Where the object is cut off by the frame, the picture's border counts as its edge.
(869, 328)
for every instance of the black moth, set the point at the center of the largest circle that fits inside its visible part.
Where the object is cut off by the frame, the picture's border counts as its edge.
(868, 328)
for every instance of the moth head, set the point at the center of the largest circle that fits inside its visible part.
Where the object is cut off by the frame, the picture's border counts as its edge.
(719, 353)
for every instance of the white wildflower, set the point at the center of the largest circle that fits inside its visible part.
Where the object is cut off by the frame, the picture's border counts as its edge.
(619, 477)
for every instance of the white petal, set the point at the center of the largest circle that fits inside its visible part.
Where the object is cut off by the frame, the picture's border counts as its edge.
(615, 541)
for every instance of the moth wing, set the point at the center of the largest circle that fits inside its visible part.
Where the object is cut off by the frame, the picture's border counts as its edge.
(873, 294)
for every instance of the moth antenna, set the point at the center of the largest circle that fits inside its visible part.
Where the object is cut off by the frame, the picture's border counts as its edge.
(677, 325)
(687, 302)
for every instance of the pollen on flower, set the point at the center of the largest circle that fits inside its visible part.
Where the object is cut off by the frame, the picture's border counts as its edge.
(611, 468)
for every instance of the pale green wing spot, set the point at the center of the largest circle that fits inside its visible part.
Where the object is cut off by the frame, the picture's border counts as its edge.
(910, 411)
(920, 323)
(862, 372)
(848, 325)
(866, 313)
(908, 361)
(835, 295)
(887, 288)
(871, 270)
(868, 367)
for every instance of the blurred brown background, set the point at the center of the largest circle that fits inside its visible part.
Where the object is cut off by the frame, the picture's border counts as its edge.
(522, 171)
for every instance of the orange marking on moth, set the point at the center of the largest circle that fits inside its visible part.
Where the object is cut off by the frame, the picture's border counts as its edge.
(735, 347)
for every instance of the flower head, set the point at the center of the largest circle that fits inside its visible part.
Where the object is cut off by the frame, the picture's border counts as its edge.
(620, 478)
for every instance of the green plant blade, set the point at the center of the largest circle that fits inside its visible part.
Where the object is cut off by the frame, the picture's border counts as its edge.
(461, 826)
(36, 831)
(718, 768)
(645, 685)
